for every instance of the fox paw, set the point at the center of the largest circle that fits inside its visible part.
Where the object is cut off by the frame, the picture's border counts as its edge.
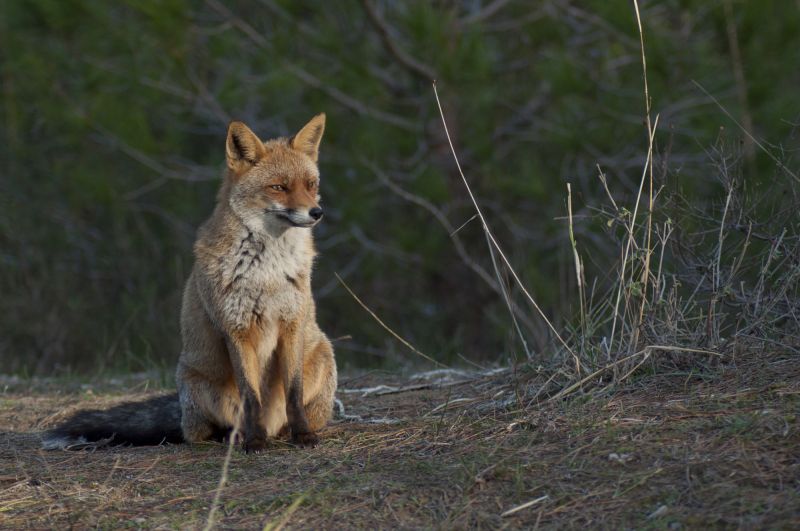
(237, 438)
(284, 433)
(255, 445)
(305, 440)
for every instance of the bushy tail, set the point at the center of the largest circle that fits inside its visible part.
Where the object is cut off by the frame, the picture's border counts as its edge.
(150, 422)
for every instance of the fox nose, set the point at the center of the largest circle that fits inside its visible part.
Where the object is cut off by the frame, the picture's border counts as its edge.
(315, 213)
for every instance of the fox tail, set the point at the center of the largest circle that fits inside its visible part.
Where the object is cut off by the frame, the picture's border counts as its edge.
(149, 422)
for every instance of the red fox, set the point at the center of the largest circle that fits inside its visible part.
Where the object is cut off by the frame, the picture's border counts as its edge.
(252, 349)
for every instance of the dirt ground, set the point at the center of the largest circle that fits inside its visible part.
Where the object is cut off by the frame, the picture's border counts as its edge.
(452, 450)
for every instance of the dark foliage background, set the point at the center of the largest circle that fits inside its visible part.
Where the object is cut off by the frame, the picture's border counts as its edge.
(113, 119)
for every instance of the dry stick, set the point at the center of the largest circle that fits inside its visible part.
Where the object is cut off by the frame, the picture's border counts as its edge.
(499, 286)
(507, 299)
(629, 244)
(765, 272)
(738, 75)
(463, 225)
(634, 369)
(386, 327)
(644, 66)
(567, 390)
(310, 79)
(667, 233)
(648, 251)
(602, 177)
(224, 476)
(524, 506)
(578, 273)
(780, 164)
(404, 58)
(489, 234)
(284, 519)
(484, 13)
(716, 280)
(348, 101)
(603, 180)
(543, 387)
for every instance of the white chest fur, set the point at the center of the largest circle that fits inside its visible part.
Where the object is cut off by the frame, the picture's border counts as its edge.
(261, 275)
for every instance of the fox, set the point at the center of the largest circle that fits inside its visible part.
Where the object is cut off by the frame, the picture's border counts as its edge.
(254, 363)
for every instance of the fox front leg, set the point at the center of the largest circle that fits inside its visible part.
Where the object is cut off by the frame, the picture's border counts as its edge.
(290, 352)
(243, 350)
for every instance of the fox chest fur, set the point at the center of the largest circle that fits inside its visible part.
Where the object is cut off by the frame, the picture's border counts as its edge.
(261, 279)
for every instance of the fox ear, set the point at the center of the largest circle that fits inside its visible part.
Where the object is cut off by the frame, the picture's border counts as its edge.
(243, 148)
(308, 139)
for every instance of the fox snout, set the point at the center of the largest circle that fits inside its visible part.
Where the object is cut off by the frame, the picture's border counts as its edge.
(299, 217)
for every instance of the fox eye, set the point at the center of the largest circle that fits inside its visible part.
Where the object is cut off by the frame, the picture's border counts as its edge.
(278, 187)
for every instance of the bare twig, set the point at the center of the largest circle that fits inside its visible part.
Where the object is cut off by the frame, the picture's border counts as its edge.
(386, 327)
(646, 351)
(491, 237)
(457, 243)
(578, 275)
(312, 80)
(350, 102)
(403, 57)
(484, 13)
(524, 506)
(621, 288)
(223, 478)
(761, 146)
(281, 522)
(738, 75)
(645, 278)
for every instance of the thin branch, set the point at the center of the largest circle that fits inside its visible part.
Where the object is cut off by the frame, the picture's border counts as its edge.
(312, 80)
(761, 146)
(404, 58)
(386, 327)
(631, 243)
(650, 135)
(350, 102)
(489, 234)
(223, 478)
(646, 350)
(453, 233)
(738, 75)
(485, 13)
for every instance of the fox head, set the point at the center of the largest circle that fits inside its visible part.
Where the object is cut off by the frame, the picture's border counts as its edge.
(274, 185)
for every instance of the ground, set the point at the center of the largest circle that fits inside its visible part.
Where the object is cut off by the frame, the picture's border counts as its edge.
(718, 449)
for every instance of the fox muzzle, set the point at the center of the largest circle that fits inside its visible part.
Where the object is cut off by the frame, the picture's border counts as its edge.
(300, 219)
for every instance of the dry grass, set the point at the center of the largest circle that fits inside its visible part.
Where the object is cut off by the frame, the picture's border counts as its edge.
(705, 449)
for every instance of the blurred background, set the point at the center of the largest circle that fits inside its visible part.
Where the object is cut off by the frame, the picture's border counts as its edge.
(112, 129)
